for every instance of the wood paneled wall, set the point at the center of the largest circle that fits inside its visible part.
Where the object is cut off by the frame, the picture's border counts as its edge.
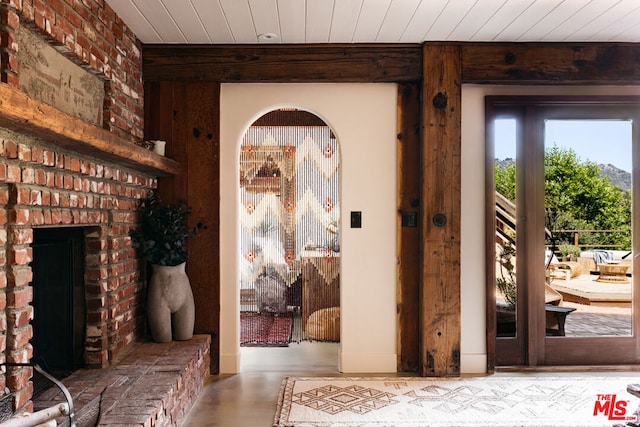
(187, 116)
(182, 105)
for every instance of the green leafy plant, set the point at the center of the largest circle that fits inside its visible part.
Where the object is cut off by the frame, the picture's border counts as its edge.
(583, 198)
(162, 235)
(569, 251)
(506, 282)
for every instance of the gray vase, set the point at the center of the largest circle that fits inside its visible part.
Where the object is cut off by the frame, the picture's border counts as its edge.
(170, 306)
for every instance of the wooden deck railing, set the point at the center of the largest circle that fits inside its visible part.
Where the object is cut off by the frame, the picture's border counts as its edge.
(576, 238)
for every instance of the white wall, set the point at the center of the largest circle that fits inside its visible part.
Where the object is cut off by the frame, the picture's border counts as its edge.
(473, 292)
(363, 118)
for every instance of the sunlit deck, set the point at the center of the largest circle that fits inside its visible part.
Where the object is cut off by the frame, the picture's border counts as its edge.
(584, 289)
(602, 309)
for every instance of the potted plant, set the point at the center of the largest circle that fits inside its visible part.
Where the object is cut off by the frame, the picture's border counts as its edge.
(162, 236)
(569, 252)
(161, 240)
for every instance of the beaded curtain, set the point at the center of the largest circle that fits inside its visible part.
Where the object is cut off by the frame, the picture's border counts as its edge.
(289, 178)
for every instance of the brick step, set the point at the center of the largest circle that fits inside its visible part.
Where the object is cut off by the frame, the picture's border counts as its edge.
(152, 385)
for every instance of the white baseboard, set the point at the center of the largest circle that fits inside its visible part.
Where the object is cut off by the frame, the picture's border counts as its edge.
(473, 363)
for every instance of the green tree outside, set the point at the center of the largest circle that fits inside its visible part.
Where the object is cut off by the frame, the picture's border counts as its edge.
(577, 197)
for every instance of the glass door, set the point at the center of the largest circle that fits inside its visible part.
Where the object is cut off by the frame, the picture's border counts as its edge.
(510, 310)
(588, 195)
(565, 269)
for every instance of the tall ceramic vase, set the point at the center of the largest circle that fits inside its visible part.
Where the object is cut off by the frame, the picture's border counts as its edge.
(170, 306)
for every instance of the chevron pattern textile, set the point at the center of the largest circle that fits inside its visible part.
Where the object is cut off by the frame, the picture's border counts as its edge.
(497, 400)
(289, 217)
(290, 202)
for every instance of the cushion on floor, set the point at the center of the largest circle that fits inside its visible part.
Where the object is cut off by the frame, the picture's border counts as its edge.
(324, 324)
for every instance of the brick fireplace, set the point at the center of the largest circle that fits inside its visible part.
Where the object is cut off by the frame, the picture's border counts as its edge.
(71, 108)
(43, 188)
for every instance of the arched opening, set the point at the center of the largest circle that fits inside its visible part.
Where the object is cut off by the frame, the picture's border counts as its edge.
(362, 116)
(289, 218)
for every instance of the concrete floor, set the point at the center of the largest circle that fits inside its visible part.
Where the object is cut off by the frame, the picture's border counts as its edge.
(248, 399)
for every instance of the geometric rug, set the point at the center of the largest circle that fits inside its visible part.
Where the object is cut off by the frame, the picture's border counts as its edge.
(496, 400)
(265, 330)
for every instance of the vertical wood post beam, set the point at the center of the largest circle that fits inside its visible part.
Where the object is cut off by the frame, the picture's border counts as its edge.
(441, 149)
(409, 236)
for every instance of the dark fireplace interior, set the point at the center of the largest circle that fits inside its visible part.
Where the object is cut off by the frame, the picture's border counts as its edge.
(58, 299)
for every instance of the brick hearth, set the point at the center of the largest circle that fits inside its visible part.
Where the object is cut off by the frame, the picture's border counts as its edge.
(152, 385)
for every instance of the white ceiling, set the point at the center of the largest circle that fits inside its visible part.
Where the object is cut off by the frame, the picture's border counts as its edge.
(380, 21)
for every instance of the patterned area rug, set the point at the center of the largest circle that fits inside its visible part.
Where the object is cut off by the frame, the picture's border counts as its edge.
(265, 330)
(478, 401)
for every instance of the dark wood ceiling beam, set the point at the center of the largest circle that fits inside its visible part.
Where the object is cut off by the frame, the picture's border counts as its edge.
(551, 63)
(330, 63)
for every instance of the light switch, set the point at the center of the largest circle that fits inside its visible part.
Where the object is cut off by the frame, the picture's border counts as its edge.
(356, 219)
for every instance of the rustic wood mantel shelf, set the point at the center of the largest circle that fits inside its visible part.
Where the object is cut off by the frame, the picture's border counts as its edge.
(21, 113)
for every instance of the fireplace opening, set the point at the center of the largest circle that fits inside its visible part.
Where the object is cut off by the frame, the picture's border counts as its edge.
(58, 299)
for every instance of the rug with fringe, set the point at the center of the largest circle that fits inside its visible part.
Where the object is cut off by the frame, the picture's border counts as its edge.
(496, 400)
(265, 330)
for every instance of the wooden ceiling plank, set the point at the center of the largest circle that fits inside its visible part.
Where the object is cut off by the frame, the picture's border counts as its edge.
(292, 20)
(396, 20)
(188, 21)
(318, 21)
(556, 17)
(240, 21)
(449, 19)
(345, 19)
(305, 21)
(630, 33)
(214, 20)
(605, 20)
(577, 21)
(426, 14)
(370, 20)
(478, 16)
(162, 22)
(629, 23)
(501, 20)
(528, 20)
(141, 27)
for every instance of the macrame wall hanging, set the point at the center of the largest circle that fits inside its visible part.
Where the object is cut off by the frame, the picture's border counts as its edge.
(290, 234)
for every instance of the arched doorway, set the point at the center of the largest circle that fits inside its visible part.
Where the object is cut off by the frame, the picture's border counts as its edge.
(289, 231)
(363, 118)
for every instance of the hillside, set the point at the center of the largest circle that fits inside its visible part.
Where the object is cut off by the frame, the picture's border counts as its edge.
(617, 177)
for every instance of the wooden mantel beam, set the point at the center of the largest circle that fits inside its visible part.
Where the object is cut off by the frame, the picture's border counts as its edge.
(441, 186)
(23, 114)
